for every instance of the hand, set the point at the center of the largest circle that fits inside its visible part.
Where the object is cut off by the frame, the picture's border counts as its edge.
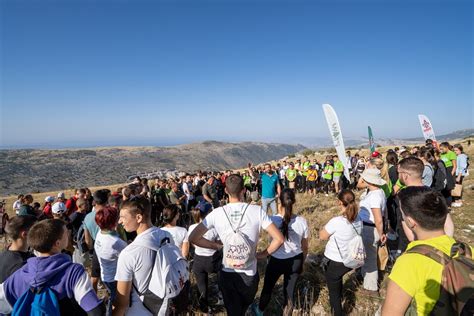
(262, 254)
(219, 245)
(383, 239)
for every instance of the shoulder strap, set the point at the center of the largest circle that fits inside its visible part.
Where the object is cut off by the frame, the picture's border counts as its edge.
(352, 224)
(431, 252)
(462, 249)
(240, 222)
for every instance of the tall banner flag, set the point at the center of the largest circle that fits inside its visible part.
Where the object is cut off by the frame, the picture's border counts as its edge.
(427, 128)
(335, 131)
(371, 141)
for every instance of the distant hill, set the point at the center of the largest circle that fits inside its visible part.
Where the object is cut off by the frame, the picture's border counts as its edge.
(463, 133)
(32, 170)
(324, 142)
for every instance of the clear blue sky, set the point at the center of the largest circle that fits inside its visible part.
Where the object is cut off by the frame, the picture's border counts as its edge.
(128, 71)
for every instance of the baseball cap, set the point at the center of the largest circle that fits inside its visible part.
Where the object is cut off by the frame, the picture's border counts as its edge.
(49, 199)
(204, 207)
(59, 208)
(61, 195)
(375, 154)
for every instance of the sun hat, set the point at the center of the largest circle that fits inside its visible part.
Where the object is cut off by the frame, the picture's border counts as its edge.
(59, 208)
(372, 176)
(49, 199)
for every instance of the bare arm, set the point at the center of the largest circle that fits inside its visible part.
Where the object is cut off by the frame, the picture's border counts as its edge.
(304, 247)
(455, 166)
(277, 241)
(122, 301)
(396, 301)
(197, 239)
(323, 234)
(185, 249)
(88, 239)
(378, 220)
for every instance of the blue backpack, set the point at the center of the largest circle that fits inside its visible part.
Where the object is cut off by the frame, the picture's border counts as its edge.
(37, 302)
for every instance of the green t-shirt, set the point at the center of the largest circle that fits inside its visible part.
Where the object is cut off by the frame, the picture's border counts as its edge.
(291, 174)
(306, 166)
(400, 185)
(387, 189)
(247, 180)
(448, 158)
(338, 168)
(327, 172)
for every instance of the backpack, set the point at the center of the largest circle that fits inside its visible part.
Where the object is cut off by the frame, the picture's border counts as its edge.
(456, 290)
(80, 239)
(237, 248)
(37, 302)
(169, 276)
(356, 252)
(440, 177)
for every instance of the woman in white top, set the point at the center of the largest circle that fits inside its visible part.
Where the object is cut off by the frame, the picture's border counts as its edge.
(372, 213)
(288, 259)
(339, 231)
(180, 234)
(108, 246)
(205, 260)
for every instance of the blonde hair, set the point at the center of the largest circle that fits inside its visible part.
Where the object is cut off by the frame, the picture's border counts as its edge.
(382, 166)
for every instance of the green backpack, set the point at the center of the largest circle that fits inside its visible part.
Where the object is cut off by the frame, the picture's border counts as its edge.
(457, 281)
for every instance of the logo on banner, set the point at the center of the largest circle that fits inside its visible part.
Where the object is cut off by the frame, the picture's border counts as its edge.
(426, 125)
(335, 134)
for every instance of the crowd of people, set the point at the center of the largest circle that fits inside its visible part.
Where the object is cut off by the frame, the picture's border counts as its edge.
(124, 240)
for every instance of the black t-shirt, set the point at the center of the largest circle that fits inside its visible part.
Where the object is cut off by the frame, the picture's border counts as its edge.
(10, 261)
(76, 219)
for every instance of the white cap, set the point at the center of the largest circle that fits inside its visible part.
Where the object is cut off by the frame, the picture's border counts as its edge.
(59, 208)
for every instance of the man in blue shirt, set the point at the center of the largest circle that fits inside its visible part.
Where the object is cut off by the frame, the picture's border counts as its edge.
(101, 200)
(270, 189)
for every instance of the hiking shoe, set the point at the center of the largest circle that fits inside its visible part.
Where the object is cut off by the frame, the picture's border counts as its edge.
(456, 204)
(256, 310)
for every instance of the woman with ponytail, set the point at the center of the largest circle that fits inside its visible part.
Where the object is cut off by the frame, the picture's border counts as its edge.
(171, 214)
(339, 231)
(288, 259)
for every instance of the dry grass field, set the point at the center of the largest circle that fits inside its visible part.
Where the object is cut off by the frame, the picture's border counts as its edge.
(312, 294)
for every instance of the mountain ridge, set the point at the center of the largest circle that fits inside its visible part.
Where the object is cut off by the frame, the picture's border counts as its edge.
(33, 170)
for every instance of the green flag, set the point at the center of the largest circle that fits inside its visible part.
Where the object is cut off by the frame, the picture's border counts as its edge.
(371, 141)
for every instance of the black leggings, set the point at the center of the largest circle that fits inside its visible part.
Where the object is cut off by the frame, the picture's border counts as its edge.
(238, 290)
(291, 269)
(202, 266)
(334, 273)
(327, 184)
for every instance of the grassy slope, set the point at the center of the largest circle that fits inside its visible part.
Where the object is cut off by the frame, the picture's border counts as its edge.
(312, 294)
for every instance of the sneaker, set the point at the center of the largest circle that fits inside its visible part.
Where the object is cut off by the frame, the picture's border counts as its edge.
(456, 204)
(256, 311)
(326, 194)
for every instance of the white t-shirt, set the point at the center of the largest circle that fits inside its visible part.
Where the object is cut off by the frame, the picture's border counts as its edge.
(297, 230)
(254, 219)
(16, 206)
(210, 235)
(108, 247)
(341, 230)
(136, 263)
(373, 199)
(282, 173)
(179, 234)
(187, 191)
